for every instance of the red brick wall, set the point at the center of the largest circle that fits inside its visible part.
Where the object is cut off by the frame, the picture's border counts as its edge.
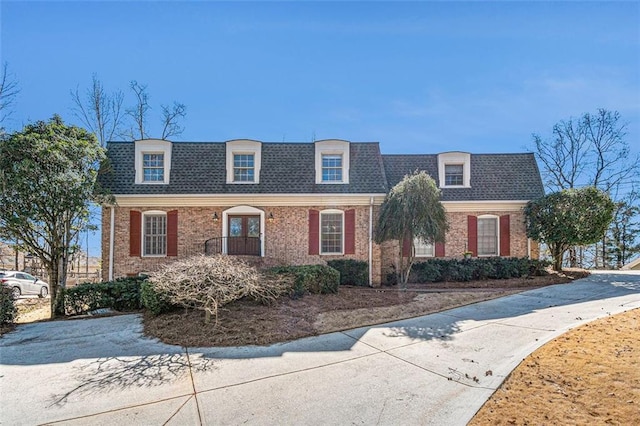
(286, 237)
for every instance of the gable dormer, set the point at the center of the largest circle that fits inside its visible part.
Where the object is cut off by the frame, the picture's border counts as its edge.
(153, 161)
(332, 161)
(454, 169)
(243, 161)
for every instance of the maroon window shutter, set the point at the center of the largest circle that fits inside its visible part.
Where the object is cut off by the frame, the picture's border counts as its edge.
(505, 237)
(439, 250)
(406, 247)
(314, 232)
(350, 231)
(472, 234)
(135, 232)
(172, 233)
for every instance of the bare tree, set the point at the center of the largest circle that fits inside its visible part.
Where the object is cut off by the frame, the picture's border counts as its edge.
(170, 117)
(99, 111)
(138, 112)
(8, 92)
(590, 150)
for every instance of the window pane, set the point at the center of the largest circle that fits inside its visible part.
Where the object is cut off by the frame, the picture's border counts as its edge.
(155, 235)
(454, 174)
(331, 233)
(488, 237)
(153, 167)
(422, 249)
(243, 168)
(332, 168)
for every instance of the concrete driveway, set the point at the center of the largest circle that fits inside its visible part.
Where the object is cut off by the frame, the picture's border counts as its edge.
(435, 369)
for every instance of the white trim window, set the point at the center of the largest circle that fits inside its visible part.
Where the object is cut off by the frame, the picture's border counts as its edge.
(152, 161)
(422, 249)
(332, 161)
(153, 167)
(243, 161)
(244, 167)
(488, 235)
(331, 167)
(331, 232)
(154, 234)
(454, 174)
(454, 169)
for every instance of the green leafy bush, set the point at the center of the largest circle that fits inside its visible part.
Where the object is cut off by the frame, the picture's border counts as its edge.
(122, 294)
(311, 278)
(352, 272)
(460, 270)
(153, 301)
(8, 310)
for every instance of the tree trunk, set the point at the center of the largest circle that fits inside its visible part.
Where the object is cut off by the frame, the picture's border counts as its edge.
(573, 257)
(557, 252)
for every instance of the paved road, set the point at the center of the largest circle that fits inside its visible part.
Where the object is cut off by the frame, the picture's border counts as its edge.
(427, 370)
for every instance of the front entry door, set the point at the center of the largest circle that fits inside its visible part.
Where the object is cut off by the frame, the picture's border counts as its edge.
(244, 235)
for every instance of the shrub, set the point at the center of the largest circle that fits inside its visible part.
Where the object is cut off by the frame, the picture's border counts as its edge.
(8, 309)
(434, 270)
(122, 294)
(424, 272)
(152, 301)
(209, 282)
(311, 278)
(352, 272)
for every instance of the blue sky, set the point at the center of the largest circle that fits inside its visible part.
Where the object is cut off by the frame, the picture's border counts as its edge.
(418, 77)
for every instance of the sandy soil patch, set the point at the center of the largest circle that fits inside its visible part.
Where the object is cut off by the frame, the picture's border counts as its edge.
(588, 376)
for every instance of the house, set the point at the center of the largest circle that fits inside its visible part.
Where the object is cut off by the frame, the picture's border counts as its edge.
(299, 203)
(633, 265)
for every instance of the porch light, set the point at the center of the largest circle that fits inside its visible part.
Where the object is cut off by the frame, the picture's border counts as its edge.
(215, 217)
(270, 218)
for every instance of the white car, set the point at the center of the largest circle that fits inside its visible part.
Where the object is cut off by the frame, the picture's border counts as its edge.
(22, 283)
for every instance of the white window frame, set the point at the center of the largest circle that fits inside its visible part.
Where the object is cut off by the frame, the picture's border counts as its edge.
(419, 242)
(342, 231)
(455, 159)
(152, 146)
(144, 180)
(244, 168)
(341, 167)
(144, 232)
(243, 147)
(332, 147)
(497, 220)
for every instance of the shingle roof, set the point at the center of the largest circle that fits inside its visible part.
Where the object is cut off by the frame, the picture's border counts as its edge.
(493, 176)
(287, 168)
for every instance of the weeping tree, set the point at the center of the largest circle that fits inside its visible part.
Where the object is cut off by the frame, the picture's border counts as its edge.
(47, 180)
(411, 210)
(568, 218)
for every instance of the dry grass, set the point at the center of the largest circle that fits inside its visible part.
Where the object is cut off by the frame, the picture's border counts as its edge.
(588, 376)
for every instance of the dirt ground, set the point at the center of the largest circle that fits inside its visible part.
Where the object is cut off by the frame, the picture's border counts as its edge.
(249, 323)
(588, 376)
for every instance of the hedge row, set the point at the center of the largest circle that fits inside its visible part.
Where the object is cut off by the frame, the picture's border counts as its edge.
(352, 272)
(122, 294)
(310, 278)
(435, 270)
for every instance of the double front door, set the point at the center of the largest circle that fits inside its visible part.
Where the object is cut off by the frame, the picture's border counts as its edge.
(244, 235)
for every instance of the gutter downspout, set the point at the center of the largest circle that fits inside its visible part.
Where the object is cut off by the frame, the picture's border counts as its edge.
(112, 233)
(371, 242)
(529, 248)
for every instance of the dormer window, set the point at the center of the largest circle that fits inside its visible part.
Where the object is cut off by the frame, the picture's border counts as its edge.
(244, 158)
(243, 168)
(332, 161)
(454, 170)
(152, 161)
(331, 168)
(153, 167)
(454, 174)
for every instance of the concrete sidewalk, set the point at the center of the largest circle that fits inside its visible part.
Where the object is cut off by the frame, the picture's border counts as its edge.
(435, 369)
